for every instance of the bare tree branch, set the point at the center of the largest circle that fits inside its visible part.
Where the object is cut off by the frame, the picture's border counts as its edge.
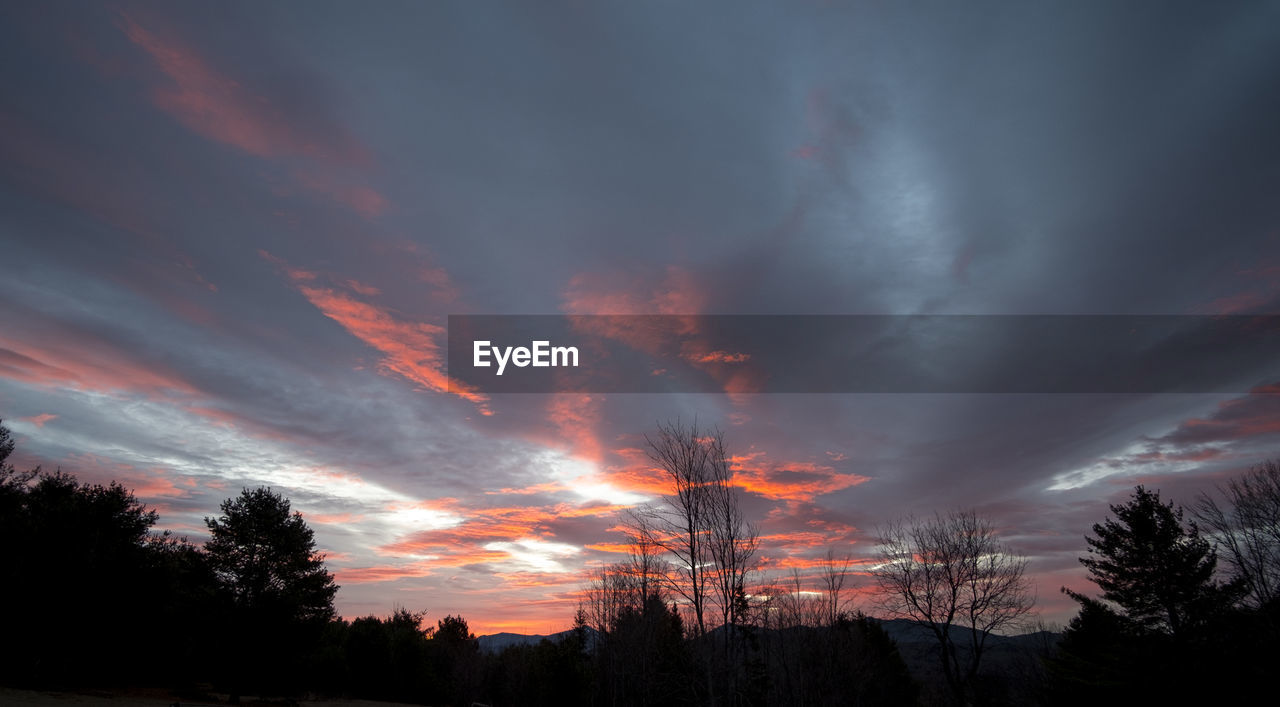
(952, 571)
(1247, 526)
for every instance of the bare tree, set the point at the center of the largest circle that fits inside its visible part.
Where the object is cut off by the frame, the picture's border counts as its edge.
(645, 566)
(693, 462)
(798, 605)
(833, 574)
(732, 543)
(710, 544)
(947, 572)
(821, 600)
(1247, 525)
(637, 635)
(606, 593)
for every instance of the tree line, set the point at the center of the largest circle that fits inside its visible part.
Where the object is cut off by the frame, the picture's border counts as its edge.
(1187, 597)
(94, 598)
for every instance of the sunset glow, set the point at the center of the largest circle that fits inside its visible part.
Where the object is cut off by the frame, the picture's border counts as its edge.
(231, 241)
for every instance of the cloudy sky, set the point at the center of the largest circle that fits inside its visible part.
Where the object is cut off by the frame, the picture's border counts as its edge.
(231, 233)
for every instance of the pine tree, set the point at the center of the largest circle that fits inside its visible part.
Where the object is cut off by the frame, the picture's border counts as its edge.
(278, 593)
(266, 560)
(1159, 634)
(1154, 566)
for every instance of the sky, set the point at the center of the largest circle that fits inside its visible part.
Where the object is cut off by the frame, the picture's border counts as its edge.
(231, 233)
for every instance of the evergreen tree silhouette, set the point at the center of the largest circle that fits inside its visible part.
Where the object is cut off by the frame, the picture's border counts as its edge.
(275, 587)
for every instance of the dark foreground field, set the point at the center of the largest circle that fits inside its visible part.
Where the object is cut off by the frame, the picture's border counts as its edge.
(146, 698)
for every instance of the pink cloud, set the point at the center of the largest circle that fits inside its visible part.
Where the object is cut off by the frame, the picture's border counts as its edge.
(39, 420)
(575, 417)
(148, 484)
(410, 350)
(1256, 415)
(56, 171)
(679, 298)
(225, 110)
(359, 198)
(72, 359)
(1259, 287)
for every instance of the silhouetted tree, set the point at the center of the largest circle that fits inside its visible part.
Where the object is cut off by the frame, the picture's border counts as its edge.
(456, 653)
(182, 611)
(96, 587)
(1102, 658)
(389, 658)
(6, 447)
(1163, 625)
(952, 571)
(1246, 524)
(81, 537)
(13, 485)
(694, 461)
(279, 593)
(549, 673)
(710, 543)
(645, 568)
(453, 631)
(1154, 566)
(849, 662)
(649, 661)
(75, 577)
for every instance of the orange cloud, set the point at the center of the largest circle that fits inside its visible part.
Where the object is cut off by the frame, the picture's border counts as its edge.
(717, 357)
(789, 481)
(619, 548)
(677, 332)
(547, 487)
(78, 361)
(410, 349)
(222, 109)
(595, 511)
(481, 526)
(592, 293)
(537, 580)
(596, 294)
(811, 562)
(575, 417)
(146, 484)
(364, 575)
(499, 536)
(794, 539)
(637, 474)
(333, 518)
(530, 617)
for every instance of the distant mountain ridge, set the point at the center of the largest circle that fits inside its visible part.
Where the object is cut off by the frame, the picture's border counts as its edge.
(919, 647)
(912, 639)
(498, 642)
